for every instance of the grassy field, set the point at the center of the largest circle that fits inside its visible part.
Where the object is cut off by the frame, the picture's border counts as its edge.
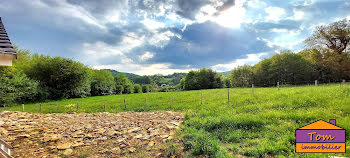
(259, 125)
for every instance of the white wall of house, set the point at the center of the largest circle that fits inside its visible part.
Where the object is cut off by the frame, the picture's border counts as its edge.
(6, 59)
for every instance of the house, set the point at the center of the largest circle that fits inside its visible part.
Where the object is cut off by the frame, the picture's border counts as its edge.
(7, 53)
(320, 137)
(5, 149)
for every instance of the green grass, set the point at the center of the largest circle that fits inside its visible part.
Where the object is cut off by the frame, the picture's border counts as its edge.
(259, 125)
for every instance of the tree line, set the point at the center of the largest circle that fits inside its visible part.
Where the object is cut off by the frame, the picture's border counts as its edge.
(35, 77)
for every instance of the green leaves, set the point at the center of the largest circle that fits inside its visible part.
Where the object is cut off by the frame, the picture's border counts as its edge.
(102, 83)
(202, 79)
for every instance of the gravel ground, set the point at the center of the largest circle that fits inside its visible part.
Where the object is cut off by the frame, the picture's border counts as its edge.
(88, 134)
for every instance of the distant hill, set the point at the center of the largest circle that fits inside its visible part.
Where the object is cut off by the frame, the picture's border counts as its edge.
(131, 76)
(172, 79)
(226, 73)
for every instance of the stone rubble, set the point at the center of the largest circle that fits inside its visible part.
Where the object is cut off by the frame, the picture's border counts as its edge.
(87, 134)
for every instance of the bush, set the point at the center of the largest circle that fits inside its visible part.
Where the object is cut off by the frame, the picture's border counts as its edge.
(241, 76)
(137, 88)
(145, 89)
(102, 83)
(200, 142)
(16, 87)
(59, 77)
(202, 79)
(168, 89)
(122, 80)
(119, 89)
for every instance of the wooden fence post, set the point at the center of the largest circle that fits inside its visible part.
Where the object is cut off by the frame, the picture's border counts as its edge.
(315, 82)
(124, 104)
(278, 85)
(228, 95)
(343, 82)
(145, 101)
(22, 107)
(172, 101)
(253, 89)
(39, 107)
(104, 107)
(201, 99)
(77, 106)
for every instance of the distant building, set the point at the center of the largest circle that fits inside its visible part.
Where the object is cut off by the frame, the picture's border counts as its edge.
(7, 53)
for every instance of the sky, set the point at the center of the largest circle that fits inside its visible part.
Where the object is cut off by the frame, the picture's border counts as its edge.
(165, 36)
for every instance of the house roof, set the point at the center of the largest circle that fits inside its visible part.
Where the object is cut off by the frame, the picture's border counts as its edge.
(320, 125)
(5, 43)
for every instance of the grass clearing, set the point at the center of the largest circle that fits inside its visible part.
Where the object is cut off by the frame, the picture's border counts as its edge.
(258, 125)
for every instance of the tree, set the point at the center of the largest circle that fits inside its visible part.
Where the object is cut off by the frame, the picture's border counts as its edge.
(286, 67)
(263, 73)
(203, 79)
(322, 71)
(58, 77)
(335, 36)
(138, 88)
(119, 89)
(145, 89)
(143, 80)
(16, 87)
(102, 83)
(122, 80)
(191, 81)
(227, 82)
(241, 76)
(182, 84)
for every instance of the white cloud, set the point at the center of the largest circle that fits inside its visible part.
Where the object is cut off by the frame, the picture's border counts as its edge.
(100, 51)
(231, 17)
(152, 24)
(279, 30)
(162, 39)
(250, 59)
(297, 15)
(58, 12)
(146, 56)
(256, 3)
(274, 13)
(131, 40)
(92, 53)
(147, 69)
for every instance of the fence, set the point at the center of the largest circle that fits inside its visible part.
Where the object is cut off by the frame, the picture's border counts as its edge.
(158, 101)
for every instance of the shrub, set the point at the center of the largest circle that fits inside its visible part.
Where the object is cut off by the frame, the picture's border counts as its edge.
(145, 89)
(119, 89)
(137, 88)
(202, 79)
(122, 80)
(16, 87)
(59, 77)
(102, 83)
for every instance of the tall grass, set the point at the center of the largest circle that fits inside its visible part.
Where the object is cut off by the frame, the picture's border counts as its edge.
(259, 125)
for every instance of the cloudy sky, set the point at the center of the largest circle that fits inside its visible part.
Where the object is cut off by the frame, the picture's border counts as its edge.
(165, 36)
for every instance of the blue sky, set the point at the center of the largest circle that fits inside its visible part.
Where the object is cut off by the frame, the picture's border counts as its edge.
(165, 36)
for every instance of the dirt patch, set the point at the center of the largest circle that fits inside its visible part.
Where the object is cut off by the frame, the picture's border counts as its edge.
(88, 134)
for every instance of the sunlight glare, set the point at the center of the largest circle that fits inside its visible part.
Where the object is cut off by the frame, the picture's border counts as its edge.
(231, 17)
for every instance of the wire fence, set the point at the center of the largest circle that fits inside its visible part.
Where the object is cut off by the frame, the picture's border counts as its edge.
(175, 101)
